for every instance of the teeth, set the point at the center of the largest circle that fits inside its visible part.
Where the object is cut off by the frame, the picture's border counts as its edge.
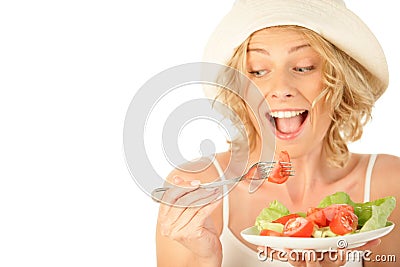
(285, 114)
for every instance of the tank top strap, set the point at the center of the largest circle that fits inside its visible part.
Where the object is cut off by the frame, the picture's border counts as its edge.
(225, 202)
(367, 184)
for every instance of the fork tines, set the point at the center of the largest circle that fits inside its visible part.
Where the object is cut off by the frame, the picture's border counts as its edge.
(288, 168)
(291, 172)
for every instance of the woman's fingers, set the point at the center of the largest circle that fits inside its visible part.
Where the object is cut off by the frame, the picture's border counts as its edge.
(300, 258)
(188, 220)
(371, 244)
(189, 204)
(193, 219)
(197, 198)
(173, 194)
(265, 253)
(188, 209)
(200, 234)
(312, 258)
(187, 199)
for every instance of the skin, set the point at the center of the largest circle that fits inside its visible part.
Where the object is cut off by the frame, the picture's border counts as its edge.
(288, 73)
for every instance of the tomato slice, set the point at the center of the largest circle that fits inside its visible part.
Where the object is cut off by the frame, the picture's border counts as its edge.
(283, 220)
(267, 232)
(331, 210)
(279, 173)
(317, 216)
(344, 222)
(298, 227)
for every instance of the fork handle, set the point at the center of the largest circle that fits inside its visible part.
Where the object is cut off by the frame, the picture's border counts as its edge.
(221, 183)
(158, 193)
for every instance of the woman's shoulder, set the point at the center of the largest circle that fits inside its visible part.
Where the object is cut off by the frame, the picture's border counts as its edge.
(385, 164)
(389, 158)
(386, 175)
(388, 165)
(203, 169)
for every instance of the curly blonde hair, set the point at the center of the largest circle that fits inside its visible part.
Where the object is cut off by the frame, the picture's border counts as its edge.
(351, 93)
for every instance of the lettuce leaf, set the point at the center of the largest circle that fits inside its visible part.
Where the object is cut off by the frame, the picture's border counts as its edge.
(337, 198)
(323, 232)
(378, 213)
(382, 206)
(273, 212)
(277, 227)
(371, 215)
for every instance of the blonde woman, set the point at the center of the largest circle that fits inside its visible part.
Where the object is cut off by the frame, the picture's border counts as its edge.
(321, 70)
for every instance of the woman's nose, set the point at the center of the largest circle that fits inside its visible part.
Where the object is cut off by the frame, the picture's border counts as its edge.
(282, 93)
(281, 87)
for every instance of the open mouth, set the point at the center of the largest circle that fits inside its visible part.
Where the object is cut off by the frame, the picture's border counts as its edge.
(288, 123)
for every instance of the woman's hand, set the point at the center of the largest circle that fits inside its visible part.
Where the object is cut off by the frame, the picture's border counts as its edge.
(185, 217)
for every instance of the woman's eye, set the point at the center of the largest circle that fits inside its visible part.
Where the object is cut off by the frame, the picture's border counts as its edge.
(258, 73)
(304, 69)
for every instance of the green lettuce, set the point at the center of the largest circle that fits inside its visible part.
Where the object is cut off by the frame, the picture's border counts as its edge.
(277, 227)
(381, 207)
(337, 198)
(371, 215)
(375, 214)
(323, 232)
(273, 212)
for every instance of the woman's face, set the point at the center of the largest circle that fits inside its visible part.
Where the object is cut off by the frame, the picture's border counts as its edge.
(288, 72)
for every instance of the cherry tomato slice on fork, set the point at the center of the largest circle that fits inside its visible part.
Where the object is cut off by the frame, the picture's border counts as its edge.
(280, 173)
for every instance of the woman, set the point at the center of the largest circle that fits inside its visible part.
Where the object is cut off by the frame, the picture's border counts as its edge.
(321, 70)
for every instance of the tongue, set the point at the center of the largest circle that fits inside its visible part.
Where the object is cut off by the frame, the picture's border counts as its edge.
(288, 125)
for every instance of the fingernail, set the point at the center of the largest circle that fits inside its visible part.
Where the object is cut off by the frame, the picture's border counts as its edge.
(195, 183)
(177, 179)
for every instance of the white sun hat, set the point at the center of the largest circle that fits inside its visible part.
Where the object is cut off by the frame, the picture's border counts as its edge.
(329, 18)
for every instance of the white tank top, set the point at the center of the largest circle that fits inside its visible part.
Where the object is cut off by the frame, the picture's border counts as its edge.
(237, 254)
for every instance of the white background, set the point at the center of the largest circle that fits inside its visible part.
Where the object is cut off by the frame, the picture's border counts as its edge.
(68, 71)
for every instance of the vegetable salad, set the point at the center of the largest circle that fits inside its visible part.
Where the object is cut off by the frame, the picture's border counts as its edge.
(335, 215)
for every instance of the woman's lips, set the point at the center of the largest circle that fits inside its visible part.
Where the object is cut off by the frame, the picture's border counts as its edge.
(288, 124)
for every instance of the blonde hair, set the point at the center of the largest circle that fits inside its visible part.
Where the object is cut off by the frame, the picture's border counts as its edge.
(351, 92)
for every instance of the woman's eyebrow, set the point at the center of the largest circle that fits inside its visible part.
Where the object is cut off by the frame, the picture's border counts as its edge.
(259, 50)
(297, 48)
(291, 50)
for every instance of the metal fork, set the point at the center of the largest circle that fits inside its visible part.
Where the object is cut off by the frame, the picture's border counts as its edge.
(262, 170)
